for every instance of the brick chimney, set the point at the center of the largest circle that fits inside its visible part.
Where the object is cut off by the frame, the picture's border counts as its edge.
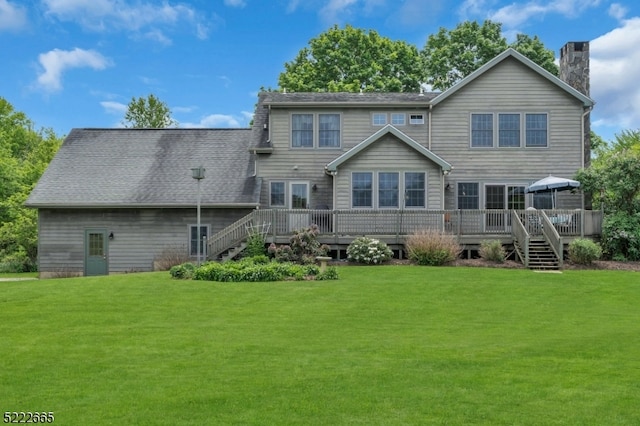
(574, 70)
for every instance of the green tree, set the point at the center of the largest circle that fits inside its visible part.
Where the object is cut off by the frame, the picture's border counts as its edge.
(148, 113)
(350, 60)
(613, 179)
(24, 155)
(451, 55)
(534, 49)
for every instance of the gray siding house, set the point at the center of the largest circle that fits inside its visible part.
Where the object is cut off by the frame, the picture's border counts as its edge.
(385, 164)
(112, 200)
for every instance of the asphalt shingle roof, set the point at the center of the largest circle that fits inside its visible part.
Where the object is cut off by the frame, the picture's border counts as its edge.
(149, 168)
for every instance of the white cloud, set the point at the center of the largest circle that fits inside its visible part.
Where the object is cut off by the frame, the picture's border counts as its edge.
(186, 109)
(615, 66)
(115, 108)
(337, 10)
(113, 15)
(12, 17)
(519, 13)
(617, 11)
(235, 3)
(56, 62)
(215, 121)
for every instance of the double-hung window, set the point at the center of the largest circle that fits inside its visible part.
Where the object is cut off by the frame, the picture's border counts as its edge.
(362, 189)
(508, 130)
(468, 196)
(536, 130)
(315, 130)
(385, 190)
(482, 130)
(388, 187)
(277, 194)
(414, 189)
(302, 130)
(329, 130)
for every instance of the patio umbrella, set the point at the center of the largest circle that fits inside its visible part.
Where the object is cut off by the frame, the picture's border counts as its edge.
(552, 184)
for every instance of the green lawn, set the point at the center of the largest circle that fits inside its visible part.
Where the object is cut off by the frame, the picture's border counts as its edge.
(382, 345)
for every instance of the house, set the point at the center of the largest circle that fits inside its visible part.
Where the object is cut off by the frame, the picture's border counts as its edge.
(113, 200)
(383, 164)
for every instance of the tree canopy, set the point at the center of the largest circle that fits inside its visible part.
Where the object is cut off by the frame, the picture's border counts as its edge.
(24, 155)
(148, 113)
(613, 179)
(451, 55)
(350, 60)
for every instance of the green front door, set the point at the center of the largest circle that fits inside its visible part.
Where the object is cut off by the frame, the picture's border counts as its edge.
(95, 252)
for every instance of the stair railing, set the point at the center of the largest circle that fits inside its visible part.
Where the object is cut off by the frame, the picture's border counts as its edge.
(521, 235)
(552, 236)
(230, 236)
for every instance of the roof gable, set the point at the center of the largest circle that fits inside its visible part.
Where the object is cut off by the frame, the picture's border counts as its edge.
(148, 168)
(512, 53)
(388, 129)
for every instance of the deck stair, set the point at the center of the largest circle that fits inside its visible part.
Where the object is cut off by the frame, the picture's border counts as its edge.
(233, 252)
(541, 255)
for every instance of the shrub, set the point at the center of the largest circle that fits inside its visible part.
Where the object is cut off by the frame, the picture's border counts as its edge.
(493, 251)
(254, 270)
(330, 273)
(304, 247)
(621, 236)
(369, 251)
(432, 248)
(183, 271)
(171, 256)
(255, 246)
(584, 251)
(16, 262)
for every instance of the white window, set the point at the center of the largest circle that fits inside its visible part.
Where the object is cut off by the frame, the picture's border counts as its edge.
(379, 119)
(416, 119)
(385, 190)
(482, 130)
(362, 189)
(509, 130)
(277, 195)
(414, 189)
(306, 134)
(329, 131)
(536, 130)
(388, 188)
(468, 196)
(398, 119)
(302, 130)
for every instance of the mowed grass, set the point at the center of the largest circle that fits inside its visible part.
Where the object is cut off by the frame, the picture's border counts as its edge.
(382, 345)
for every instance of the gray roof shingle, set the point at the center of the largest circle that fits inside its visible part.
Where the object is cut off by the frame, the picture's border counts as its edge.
(149, 168)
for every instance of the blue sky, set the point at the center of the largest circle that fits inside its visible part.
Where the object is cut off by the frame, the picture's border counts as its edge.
(77, 63)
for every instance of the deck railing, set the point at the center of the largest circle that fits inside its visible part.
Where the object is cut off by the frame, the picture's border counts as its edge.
(399, 223)
(406, 222)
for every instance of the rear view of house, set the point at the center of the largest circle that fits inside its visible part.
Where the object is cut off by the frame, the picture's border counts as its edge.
(384, 164)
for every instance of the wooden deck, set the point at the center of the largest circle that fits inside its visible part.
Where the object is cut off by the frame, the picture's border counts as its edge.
(339, 227)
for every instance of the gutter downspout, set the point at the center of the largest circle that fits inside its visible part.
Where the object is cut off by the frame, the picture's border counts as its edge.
(582, 134)
(429, 127)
